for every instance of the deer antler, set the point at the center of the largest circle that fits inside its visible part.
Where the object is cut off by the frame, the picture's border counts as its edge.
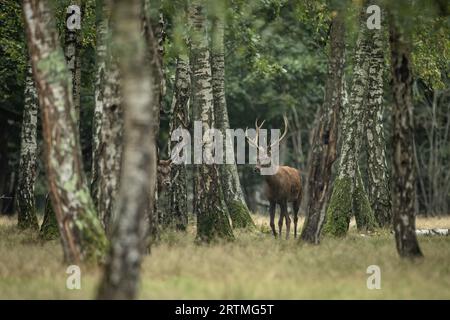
(255, 141)
(284, 133)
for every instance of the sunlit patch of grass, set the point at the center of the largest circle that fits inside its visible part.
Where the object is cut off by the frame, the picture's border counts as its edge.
(253, 266)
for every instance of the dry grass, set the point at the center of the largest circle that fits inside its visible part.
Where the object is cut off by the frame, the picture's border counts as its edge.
(254, 266)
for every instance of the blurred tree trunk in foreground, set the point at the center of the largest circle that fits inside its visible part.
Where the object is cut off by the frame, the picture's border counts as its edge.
(26, 205)
(107, 123)
(404, 174)
(138, 177)
(81, 233)
(210, 207)
(349, 196)
(231, 186)
(325, 137)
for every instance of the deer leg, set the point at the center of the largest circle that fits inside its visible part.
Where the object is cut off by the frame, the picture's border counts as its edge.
(280, 220)
(288, 219)
(296, 207)
(272, 218)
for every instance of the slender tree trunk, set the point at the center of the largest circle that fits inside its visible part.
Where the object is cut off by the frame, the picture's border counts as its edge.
(229, 176)
(108, 123)
(377, 171)
(403, 174)
(349, 196)
(81, 232)
(72, 48)
(325, 137)
(138, 179)
(153, 24)
(26, 205)
(179, 119)
(212, 215)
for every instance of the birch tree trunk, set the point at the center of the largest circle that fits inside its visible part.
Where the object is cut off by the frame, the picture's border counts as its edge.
(210, 208)
(153, 24)
(349, 196)
(229, 176)
(26, 205)
(138, 179)
(403, 172)
(72, 47)
(324, 145)
(377, 171)
(81, 232)
(108, 123)
(179, 119)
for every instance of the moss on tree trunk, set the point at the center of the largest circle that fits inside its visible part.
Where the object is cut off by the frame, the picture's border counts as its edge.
(49, 227)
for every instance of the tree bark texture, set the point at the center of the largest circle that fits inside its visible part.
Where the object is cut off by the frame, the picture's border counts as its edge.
(108, 123)
(210, 208)
(153, 25)
(229, 176)
(26, 205)
(178, 207)
(377, 170)
(138, 178)
(404, 219)
(349, 196)
(81, 233)
(325, 138)
(72, 52)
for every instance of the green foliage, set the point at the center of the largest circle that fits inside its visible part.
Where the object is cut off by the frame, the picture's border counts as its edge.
(13, 55)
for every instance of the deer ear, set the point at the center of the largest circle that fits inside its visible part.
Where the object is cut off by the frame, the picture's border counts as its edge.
(165, 162)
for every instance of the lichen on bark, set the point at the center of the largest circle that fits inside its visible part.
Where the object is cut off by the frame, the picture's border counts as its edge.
(82, 236)
(353, 130)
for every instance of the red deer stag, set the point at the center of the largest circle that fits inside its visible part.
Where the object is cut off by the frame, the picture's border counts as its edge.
(282, 187)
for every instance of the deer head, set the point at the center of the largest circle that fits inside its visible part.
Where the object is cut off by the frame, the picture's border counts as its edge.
(264, 159)
(164, 179)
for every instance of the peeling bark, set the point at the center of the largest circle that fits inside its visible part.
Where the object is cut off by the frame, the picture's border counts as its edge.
(108, 123)
(324, 145)
(178, 210)
(338, 214)
(81, 232)
(138, 178)
(210, 208)
(377, 171)
(229, 176)
(403, 204)
(26, 205)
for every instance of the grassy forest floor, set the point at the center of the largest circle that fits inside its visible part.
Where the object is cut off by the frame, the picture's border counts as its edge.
(254, 266)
